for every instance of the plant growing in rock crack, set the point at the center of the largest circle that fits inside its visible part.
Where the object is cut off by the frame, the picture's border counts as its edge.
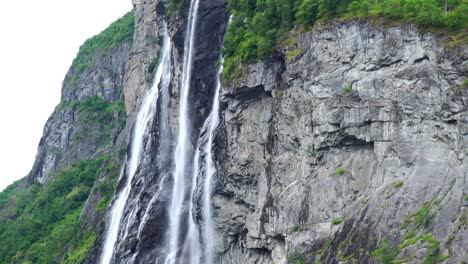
(340, 171)
(297, 258)
(398, 184)
(296, 228)
(347, 89)
(337, 221)
(152, 65)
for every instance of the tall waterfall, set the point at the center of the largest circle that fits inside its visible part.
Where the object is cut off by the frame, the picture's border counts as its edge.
(143, 119)
(209, 172)
(164, 131)
(181, 159)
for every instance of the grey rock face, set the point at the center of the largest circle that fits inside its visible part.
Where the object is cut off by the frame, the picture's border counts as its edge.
(65, 139)
(365, 128)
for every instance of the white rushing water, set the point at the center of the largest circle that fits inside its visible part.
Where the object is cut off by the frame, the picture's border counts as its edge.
(144, 117)
(164, 130)
(182, 162)
(209, 173)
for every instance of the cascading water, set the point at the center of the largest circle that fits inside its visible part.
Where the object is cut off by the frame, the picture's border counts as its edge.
(143, 119)
(164, 131)
(209, 172)
(193, 244)
(182, 162)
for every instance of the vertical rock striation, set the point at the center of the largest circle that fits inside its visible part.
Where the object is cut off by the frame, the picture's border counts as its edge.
(349, 137)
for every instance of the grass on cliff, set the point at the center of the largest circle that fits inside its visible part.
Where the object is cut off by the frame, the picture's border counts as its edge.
(260, 26)
(118, 32)
(414, 223)
(98, 118)
(40, 223)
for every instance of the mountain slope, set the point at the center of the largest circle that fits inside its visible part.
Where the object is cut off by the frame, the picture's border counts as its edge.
(53, 214)
(343, 137)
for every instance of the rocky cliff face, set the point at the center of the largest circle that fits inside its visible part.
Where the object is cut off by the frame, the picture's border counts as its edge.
(67, 138)
(141, 239)
(353, 139)
(348, 146)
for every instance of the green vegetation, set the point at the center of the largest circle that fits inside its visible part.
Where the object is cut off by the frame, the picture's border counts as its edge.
(7, 193)
(337, 221)
(44, 220)
(340, 171)
(297, 258)
(419, 220)
(422, 217)
(457, 90)
(78, 255)
(107, 187)
(347, 89)
(259, 26)
(118, 32)
(296, 228)
(152, 65)
(173, 6)
(464, 84)
(94, 111)
(293, 53)
(387, 255)
(398, 184)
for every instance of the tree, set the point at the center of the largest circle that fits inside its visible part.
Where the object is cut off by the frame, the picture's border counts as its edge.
(354, 7)
(307, 13)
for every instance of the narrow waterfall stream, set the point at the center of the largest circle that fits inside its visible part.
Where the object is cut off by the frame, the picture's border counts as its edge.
(143, 119)
(209, 173)
(183, 163)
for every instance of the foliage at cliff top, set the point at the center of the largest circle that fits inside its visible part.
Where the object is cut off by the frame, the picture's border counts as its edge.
(118, 32)
(258, 26)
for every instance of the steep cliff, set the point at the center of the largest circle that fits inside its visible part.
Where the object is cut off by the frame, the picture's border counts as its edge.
(54, 214)
(350, 146)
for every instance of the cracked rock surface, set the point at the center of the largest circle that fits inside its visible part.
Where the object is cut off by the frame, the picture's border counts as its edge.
(334, 147)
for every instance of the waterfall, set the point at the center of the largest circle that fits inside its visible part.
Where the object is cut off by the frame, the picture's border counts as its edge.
(182, 162)
(209, 172)
(205, 173)
(164, 131)
(144, 117)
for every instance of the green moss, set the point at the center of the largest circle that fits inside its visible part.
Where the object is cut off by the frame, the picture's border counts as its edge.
(347, 89)
(398, 184)
(173, 6)
(340, 171)
(296, 228)
(297, 258)
(387, 255)
(152, 65)
(422, 216)
(464, 84)
(293, 53)
(337, 221)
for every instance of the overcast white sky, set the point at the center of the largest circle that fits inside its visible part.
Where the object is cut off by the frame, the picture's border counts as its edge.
(39, 40)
